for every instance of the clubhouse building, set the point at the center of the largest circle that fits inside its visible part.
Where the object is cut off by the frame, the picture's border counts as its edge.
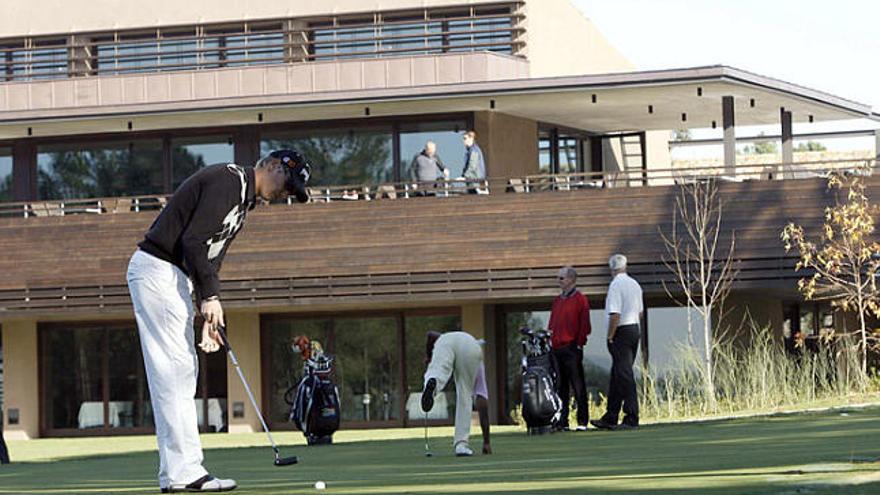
(105, 110)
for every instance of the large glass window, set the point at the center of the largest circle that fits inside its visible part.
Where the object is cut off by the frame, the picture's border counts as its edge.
(417, 328)
(340, 156)
(6, 192)
(211, 392)
(94, 378)
(368, 368)
(189, 155)
(446, 135)
(597, 361)
(99, 170)
(368, 354)
(560, 153)
(261, 45)
(570, 159)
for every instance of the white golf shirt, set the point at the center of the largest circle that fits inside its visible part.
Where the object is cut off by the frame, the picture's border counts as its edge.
(624, 298)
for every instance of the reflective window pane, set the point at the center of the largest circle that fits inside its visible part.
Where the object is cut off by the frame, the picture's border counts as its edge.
(6, 192)
(129, 401)
(367, 367)
(367, 362)
(417, 328)
(513, 381)
(79, 362)
(569, 155)
(545, 166)
(286, 366)
(190, 155)
(69, 171)
(211, 392)
(446, 135)
(340, 156)
(72, 366)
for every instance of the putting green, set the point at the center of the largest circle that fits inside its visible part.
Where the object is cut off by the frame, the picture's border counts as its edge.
(827, 453)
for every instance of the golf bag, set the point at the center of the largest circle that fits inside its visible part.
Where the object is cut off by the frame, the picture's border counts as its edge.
(314, 401)
(541, 406)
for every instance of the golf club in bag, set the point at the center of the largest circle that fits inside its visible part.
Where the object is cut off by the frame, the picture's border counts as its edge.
(279, 461)
(314, 401)
(541, 405)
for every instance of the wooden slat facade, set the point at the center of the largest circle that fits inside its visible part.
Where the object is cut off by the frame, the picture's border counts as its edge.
(504, 246)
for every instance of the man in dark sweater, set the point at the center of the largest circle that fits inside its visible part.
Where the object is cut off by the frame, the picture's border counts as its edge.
(182, 252)
(570, 327)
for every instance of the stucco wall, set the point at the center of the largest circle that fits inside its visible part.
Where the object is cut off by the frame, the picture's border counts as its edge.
(561, 41)
(21, 379)
(243, 330)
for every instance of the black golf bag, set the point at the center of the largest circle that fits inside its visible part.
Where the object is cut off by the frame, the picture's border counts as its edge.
(541, 406)
(314, 401)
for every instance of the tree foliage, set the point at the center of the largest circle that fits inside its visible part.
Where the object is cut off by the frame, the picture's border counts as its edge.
(843, 260)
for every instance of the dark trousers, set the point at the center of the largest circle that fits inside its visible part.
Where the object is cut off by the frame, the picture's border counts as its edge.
(4, 454)
(622, 389)
(569, 361)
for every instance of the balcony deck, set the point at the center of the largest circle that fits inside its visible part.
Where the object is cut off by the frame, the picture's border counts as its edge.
(415, 250)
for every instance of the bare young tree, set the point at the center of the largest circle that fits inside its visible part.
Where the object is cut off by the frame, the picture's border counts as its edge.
(844, 260)
(702, 263)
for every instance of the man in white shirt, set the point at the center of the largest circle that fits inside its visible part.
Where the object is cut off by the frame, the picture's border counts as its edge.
(623, 309)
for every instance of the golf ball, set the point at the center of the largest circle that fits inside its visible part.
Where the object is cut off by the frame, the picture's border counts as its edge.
(320, 485)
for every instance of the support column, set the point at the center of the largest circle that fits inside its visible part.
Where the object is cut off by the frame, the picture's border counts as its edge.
(247, 146)
(787, 143)
(473, 320)
(24, 171)
(727, 118)
(21, 401)
(479, 321)
(243, 330)
(876, 146)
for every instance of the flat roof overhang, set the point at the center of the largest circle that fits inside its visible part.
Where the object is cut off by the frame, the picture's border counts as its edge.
(601, 103)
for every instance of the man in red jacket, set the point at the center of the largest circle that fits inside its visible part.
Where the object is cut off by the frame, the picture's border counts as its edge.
(570, 326)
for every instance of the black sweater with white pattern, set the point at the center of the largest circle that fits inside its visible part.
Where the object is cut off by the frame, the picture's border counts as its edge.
(195, 229)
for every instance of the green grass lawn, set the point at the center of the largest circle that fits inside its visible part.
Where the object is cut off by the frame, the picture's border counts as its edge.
(822, 453)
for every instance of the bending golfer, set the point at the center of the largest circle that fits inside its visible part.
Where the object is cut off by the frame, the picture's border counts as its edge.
(183, 250)
(456, 355)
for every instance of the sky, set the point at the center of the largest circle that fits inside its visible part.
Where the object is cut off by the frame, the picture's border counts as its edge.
(832, 46)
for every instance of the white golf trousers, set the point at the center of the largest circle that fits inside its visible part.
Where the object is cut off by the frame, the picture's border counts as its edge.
(458, 355)
(161, 295)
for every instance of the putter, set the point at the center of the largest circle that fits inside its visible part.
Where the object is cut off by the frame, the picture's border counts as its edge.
(279, 461)
(428, 452)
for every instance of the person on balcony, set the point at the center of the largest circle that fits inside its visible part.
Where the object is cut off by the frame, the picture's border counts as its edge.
(182, 251)
(570, 326)
(474, 164)
(427, 167)
(623, 309)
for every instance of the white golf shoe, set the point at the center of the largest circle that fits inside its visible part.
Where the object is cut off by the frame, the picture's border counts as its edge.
(463, 450)
(206, 483)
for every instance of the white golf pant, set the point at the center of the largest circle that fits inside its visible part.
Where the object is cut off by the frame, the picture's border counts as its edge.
(458, 355)
(161, 295)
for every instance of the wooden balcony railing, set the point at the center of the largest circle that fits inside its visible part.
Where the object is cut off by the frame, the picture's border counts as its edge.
(529, 184)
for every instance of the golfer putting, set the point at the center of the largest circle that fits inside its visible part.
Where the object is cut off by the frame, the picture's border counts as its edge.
(458, 355)
(181, 253)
